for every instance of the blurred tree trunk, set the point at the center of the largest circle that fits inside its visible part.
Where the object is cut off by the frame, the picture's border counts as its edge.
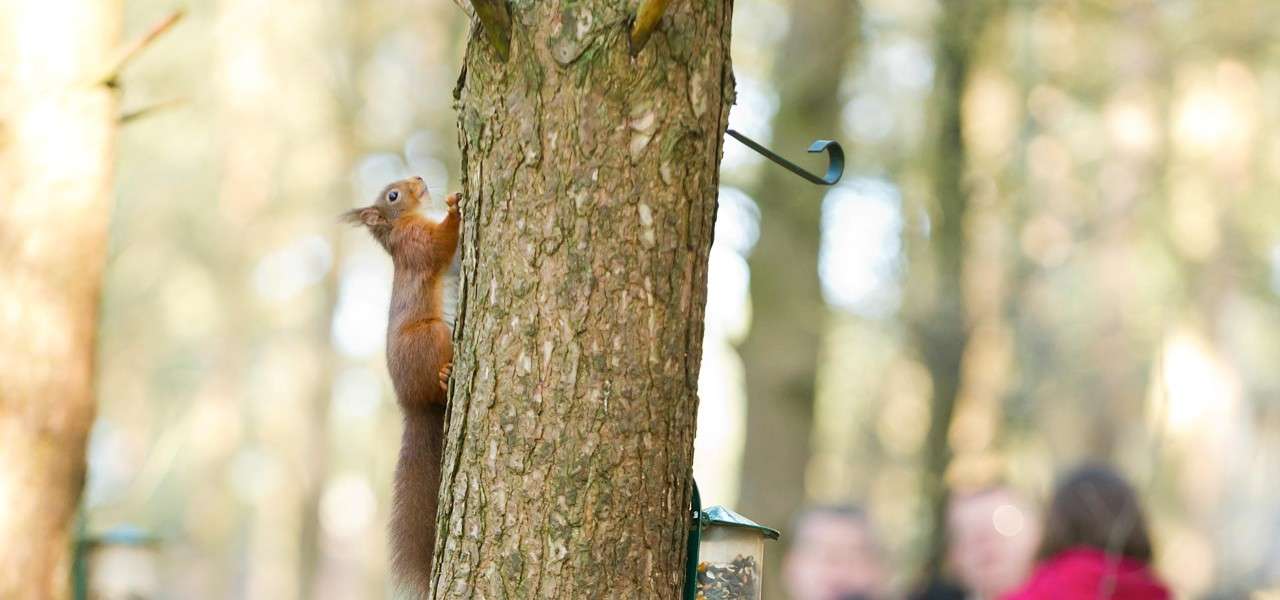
(336, 42)
(271, 135)
(788, 314)
(57, 128)
(590, 183)
(935, 312)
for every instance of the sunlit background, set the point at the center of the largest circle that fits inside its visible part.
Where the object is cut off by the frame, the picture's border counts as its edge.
(1123, 278)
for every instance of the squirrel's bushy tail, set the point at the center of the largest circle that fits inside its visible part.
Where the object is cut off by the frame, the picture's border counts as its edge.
(413, 506)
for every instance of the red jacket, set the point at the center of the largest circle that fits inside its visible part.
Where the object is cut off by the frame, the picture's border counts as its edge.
(1086, 574)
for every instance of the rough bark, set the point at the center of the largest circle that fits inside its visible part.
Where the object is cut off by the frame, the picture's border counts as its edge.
(936, 315)
(590, 183)
(57, 125)
(780, 353)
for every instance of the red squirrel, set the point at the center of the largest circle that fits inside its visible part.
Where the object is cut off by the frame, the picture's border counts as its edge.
(420, 359)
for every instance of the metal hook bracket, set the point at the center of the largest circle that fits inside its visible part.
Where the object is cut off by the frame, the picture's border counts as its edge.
(835, 158)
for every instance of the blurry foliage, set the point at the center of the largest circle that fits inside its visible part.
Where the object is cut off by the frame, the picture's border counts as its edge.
(1123, 271)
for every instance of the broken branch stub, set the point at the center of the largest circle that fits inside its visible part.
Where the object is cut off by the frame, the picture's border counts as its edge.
(495, 17)
(648, 16)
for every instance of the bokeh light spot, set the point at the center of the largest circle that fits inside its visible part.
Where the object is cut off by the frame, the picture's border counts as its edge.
(1008, 520)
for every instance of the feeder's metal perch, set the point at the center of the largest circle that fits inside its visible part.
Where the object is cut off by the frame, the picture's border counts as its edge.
(835, 158)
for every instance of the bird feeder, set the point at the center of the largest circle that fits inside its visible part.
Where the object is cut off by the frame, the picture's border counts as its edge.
(726, 554)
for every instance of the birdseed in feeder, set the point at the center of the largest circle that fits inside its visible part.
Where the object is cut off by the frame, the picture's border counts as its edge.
(735, 580)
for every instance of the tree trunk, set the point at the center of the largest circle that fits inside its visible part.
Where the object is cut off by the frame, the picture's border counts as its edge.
(57, 124)
(936, 314)
(590, 195)
(780, 354)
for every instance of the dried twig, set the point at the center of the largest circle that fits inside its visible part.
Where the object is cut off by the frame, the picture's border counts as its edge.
(127, 53)
(150, 109)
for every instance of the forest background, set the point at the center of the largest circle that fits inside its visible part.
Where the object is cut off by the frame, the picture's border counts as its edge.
(1058, 239)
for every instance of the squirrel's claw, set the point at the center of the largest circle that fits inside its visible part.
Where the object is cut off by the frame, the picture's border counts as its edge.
(452, 201)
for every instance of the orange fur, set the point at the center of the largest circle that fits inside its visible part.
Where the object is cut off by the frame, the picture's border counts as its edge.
(420, 359)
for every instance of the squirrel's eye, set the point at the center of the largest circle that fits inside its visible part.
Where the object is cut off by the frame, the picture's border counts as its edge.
(393, 195)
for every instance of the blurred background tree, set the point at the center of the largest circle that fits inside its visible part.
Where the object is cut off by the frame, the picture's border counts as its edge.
(58, 115)
(781, 352)
(1109, 287)
(938, 310)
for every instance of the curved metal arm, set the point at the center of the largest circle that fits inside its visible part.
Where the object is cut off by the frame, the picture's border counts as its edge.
(835, 158)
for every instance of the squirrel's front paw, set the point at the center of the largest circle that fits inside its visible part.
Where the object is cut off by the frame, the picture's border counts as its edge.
(445, 372)
(452, 201)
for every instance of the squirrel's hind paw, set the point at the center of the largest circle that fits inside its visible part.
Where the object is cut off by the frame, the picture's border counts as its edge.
(445, 372)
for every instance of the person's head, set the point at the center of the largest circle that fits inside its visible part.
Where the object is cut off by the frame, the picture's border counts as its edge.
(991, 540)
(1093, 506)
(834, 555)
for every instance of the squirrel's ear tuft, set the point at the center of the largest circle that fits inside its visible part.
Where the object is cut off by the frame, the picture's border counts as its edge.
(352, 217)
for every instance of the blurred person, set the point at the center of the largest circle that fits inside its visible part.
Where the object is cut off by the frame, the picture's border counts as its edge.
(1095, 543)
(835, 555)
(991, 541)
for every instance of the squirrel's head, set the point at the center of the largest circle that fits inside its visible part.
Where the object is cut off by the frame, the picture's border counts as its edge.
(398, 198)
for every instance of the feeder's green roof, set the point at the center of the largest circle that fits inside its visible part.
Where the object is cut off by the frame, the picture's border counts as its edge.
(719, 515)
